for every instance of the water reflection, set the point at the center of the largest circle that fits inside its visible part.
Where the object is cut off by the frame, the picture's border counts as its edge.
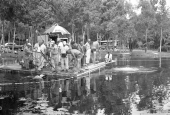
(160, 62)
(120, 93)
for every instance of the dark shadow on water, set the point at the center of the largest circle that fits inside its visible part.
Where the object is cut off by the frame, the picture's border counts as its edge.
(116, 92)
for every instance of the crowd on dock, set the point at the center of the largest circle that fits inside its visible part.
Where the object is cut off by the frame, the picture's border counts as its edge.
(61, 54)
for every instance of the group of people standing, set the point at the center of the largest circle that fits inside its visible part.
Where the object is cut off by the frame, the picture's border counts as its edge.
(62, 53)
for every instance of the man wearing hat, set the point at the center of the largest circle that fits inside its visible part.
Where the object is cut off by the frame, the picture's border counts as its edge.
(64, 57)
(108, 57)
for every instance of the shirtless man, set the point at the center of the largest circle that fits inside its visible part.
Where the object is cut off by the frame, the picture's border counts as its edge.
(77, 55)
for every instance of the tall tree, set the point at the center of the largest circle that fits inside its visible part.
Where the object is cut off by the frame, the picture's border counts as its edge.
(146, 18)
(163, 22)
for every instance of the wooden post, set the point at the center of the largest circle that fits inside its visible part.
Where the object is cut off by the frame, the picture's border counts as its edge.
(31, 37)
(146, 38)
(9, 36)
(83, 33)
(161, 41)
(72, 32)
(88, 31)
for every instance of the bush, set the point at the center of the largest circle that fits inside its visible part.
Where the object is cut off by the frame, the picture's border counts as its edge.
(163, 49)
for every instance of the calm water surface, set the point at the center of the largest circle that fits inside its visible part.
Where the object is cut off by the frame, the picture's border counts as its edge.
(136, 91)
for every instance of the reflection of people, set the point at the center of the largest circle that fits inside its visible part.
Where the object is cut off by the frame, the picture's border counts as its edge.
(108, 57)
(108, 77)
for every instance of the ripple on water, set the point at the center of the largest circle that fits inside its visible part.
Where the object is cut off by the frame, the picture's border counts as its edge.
(133, 70)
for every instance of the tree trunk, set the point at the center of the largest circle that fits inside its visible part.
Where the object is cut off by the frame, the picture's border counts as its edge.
(83, 33)
(146, 38)
(75, 38)
(97, 36)
(2, 38)
(9, 36)
(35, 35)
(161, 41)
(13, 38)
(72, 32)
(88, 31)
(31, 36)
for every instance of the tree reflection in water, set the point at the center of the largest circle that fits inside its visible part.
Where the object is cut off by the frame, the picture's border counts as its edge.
(115, 92)
(111, 91)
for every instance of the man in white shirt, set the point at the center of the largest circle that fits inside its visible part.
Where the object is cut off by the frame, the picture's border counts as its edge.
(49, 44)
(95, 49)
(88, 51)
(42, 47)
(60, 44)
(54, 55)
(36, 55)
(64, 57)
(108, 57)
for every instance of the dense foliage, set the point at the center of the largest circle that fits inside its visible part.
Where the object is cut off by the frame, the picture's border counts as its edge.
(106, 19)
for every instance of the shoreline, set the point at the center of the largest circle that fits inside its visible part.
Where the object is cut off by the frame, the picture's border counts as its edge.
(135, 53)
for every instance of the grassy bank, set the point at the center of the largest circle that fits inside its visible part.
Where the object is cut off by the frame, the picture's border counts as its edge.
(150, 54)
(134, 53)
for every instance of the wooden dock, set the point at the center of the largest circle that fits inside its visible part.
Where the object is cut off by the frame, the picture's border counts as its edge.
(16, 68)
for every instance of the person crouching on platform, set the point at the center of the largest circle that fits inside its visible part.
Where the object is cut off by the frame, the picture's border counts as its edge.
(77, 55)
(54, 55)
(108, 57)
(64, 57)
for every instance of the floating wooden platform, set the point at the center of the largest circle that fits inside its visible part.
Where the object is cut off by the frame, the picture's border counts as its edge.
(16, 68)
